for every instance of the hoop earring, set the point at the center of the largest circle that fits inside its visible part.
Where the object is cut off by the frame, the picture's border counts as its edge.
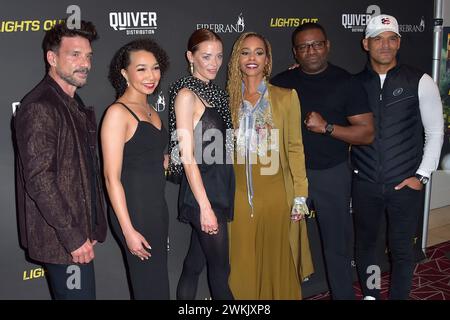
(191, 68)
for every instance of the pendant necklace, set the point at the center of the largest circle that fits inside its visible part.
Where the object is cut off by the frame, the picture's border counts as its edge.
(149, 111)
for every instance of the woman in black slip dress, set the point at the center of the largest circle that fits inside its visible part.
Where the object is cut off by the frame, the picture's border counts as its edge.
(133, 141)
(199, 120)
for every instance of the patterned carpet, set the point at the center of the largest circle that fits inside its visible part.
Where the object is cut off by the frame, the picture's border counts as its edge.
(431, 277)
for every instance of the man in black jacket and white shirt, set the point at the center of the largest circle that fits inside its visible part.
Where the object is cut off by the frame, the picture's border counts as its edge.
(389, 174)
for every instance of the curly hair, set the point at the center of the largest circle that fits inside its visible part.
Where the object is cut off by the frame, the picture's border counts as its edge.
(121, 60)
(53, 37)
(234, 80)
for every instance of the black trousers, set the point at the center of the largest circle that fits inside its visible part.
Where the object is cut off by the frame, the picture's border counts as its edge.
(370, 202)
(330, 190)
(71, 281)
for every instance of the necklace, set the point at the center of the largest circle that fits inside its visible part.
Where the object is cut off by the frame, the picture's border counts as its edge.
(148, 110)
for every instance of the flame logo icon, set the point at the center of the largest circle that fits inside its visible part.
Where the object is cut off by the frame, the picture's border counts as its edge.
(422, 24)
(160, 103)
(240, 23)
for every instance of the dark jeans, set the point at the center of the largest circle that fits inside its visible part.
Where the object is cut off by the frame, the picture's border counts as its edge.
(71, 282)
(370, 202)
(329, 190)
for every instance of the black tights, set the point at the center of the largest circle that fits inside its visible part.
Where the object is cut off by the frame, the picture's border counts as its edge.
(212, 250)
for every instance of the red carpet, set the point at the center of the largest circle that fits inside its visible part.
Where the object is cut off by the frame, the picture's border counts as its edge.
(431, 278)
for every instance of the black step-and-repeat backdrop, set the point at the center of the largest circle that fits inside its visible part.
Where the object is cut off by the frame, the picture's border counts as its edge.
(22, 26)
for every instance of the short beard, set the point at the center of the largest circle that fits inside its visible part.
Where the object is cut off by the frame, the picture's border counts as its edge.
(70, 79)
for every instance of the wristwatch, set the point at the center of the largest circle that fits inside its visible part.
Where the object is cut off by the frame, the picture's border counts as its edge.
(422, 179)
(329, 129)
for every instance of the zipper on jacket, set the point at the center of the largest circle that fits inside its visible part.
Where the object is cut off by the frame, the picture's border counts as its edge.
(380, 116)
(403, 99)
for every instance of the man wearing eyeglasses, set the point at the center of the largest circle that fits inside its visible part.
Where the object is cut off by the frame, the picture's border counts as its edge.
(335, 115)
(389, 175)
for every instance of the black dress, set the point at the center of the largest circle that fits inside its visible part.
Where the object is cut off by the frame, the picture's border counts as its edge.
(218, 180)
(144, 182)
(217, 175)
(212, 148)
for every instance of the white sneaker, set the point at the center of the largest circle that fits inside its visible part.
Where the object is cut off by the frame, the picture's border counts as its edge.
(369, 298)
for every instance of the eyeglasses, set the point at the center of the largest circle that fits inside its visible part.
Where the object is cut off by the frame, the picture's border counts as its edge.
(316, 45)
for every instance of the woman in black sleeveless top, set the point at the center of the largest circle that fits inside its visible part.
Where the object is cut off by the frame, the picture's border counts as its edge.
(199, 118)
(133, 142)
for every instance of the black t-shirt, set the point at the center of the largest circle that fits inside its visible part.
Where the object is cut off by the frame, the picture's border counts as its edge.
(336, 95)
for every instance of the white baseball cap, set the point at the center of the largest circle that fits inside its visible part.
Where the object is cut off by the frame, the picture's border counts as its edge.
(381, 23)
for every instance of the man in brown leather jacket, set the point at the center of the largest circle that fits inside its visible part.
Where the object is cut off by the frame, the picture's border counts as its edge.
(61, 208)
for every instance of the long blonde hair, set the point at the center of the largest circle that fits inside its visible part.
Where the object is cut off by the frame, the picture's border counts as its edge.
(234, 80)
